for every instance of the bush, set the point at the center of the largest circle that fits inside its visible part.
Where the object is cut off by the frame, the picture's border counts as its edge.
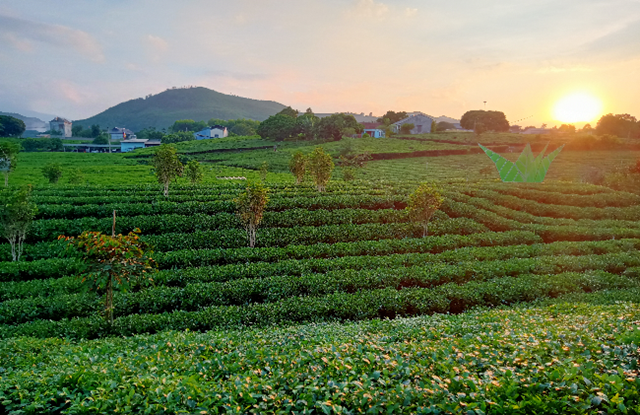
(52, 172)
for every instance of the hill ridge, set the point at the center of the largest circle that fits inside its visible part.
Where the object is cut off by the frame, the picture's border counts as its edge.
(197, 103)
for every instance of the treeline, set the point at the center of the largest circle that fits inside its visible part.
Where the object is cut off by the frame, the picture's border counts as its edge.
(290, 124)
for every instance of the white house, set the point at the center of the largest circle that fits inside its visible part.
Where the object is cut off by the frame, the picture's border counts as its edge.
(62, 125)
(121, 134)
(215, 131)
(421, 123)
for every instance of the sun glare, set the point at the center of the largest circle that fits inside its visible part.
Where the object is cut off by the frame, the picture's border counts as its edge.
(577, 108)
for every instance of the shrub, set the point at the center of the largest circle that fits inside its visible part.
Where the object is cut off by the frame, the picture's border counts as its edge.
(52, 172)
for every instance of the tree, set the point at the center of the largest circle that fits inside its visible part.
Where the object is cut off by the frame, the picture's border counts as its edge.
(290, 112)
(480, 129)
(250, 206)
(298, 166)
(178, 137)
(150, 133)
(278, 127)
(444, 125)
(434, 127)
(76, 131)
(406, 128)
(188, 125)
(16, 214)
(306, 124)
(11, 126)
(52, 172)
(101, 139)
(167, 165)
(95, 131)
(193, 171)
(264, 169)
(114, 262)
(567, 128)
(492, 120)
(423, 203)
(620, 125)
(243, 129)
(8, 159)
(392, 117)
(334, 126)
(320, 166)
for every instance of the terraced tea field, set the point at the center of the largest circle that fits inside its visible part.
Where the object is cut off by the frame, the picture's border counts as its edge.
(522, 299)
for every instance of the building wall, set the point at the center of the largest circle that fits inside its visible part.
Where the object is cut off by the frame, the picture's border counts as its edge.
(422, 123)
(64, 127)
(125, 146)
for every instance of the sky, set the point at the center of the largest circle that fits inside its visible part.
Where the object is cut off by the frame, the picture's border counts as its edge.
(76, 58)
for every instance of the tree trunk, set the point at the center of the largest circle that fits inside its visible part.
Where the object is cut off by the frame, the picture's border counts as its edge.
(251, 233)
(6, 179)
(166, 189)
(425, 230)
(108, 301)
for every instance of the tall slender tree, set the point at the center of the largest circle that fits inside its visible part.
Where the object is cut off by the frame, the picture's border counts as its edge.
(167, 165)
(320, 167)
(250, 206)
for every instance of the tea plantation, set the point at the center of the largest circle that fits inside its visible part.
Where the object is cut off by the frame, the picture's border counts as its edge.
(522, 300)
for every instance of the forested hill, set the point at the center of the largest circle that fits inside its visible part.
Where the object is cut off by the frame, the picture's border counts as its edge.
(199, 104)
(32, 123)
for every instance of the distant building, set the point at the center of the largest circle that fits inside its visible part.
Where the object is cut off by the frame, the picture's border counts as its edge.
(374, 132)
(215, 131)
(61, 125)
(536, 131)
(421, 123)
(121, 134)
(152, 143)
(130, 145)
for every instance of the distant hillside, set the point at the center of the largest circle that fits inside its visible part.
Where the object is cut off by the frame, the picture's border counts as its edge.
(199, 104)
(32, 123)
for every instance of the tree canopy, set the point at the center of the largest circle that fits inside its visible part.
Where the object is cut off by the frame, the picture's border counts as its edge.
(334, 126)
(619, 125)
(278, 127)
(392, 117)
(492, 120)
(188, 125)
(11, 126)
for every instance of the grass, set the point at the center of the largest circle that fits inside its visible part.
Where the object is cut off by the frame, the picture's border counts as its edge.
(568, 166)
(112, 169)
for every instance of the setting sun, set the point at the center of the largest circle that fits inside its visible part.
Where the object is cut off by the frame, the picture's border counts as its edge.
(577, 108)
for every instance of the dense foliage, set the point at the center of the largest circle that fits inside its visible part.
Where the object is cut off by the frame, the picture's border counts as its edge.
(314, 317)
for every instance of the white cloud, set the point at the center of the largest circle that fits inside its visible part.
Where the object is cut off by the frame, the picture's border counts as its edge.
(21, 34)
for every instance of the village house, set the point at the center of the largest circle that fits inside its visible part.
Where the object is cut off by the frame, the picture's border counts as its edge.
(421, 123)
(215, 131)
(61, 125)
(121, 134)
(372, 128)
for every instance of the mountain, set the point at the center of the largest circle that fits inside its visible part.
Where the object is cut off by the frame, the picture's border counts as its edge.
(162, 110)
(32, 123)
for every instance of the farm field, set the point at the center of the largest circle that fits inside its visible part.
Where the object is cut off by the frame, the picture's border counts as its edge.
(522, 299)
(569, 166)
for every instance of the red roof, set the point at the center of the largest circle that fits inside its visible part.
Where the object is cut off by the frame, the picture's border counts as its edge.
(371, 125)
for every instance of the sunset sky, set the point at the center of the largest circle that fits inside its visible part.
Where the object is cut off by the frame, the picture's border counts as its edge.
(77, 58)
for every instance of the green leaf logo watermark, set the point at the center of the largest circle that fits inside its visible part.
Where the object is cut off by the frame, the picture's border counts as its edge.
(527, 169)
